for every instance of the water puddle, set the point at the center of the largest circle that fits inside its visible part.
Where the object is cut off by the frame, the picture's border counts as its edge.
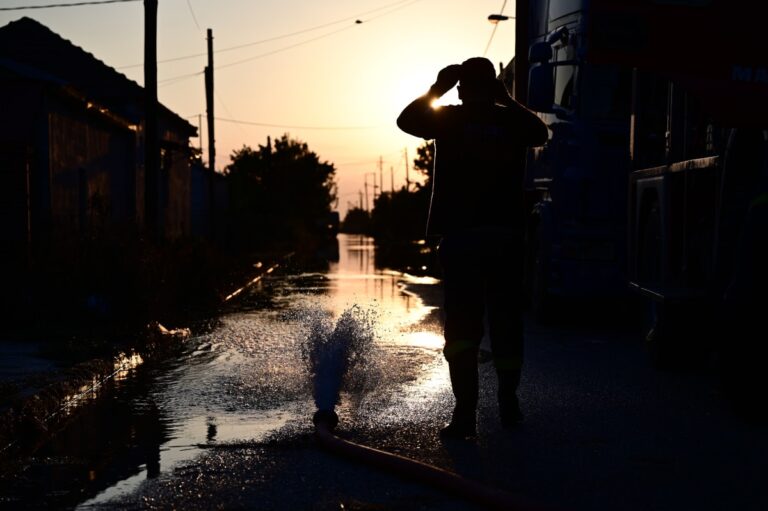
(252, 375)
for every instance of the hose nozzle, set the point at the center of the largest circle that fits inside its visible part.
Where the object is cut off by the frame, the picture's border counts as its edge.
(325, 418)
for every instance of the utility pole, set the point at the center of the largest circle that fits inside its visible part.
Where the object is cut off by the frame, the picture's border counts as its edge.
(360, 196)
(211, 139)
(365, 179)
(200, 133)
(209, 103)
(151, 143)
(381, 175)
(407, 175)
(374, 186)
(392, 179)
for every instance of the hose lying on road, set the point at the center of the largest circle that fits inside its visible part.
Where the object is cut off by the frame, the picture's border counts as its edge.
(326, 420)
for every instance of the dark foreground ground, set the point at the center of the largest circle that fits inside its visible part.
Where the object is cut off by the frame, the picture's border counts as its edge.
(603, 431)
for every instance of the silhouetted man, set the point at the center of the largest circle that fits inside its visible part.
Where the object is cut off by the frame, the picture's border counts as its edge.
(476, 208)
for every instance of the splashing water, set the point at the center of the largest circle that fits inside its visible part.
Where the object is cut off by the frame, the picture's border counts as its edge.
(340, 355)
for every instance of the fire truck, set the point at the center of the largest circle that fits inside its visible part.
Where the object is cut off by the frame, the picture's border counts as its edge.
(654, 177)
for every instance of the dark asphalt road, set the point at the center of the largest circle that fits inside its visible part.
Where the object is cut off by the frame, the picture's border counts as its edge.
(227, 423)
(603, 431)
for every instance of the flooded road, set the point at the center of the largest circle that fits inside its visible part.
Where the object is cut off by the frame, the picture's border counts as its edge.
(226, 422)
(249, 377)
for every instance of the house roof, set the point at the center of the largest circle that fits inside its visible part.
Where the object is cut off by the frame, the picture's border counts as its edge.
(32, 44)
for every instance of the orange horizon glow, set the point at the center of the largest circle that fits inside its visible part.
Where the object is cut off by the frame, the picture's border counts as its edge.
(338, 88)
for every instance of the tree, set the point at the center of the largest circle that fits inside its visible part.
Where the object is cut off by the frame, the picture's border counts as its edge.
(279, 194)
(424, 162)
(401, 216)
(357, 221)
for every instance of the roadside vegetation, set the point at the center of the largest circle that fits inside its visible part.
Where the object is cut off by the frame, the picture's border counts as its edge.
(399, 216)
(398, 222)
(112, 283)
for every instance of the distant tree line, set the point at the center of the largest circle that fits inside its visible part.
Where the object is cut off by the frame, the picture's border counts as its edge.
(400, 215)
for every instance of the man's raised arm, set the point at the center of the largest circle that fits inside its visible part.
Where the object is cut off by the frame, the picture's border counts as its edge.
(419, 118)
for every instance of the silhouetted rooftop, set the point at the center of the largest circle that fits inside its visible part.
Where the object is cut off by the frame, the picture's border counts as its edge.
(32, 44)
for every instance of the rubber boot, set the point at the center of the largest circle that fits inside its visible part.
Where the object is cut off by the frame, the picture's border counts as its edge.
(509, 406)
(464, 382)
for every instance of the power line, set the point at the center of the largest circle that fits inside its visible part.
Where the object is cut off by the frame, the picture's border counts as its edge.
(401, 5)
(357, 163)
(176, 79)
(276, 38)
(318, 27)
(493, 32)
(284, 48)
(226, 111)
(192, 12)
(76, 4)
(365, 162)
(268, 125)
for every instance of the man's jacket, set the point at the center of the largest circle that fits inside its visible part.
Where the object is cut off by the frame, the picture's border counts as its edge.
(479, 162)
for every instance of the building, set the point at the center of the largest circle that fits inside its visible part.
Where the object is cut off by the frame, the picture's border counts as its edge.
(71, 145)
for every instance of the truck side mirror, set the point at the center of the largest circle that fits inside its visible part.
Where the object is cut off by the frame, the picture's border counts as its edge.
(539, 52)
(541, 88)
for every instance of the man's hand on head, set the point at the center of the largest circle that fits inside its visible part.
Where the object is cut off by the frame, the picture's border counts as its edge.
(501, 94)
(446, 79)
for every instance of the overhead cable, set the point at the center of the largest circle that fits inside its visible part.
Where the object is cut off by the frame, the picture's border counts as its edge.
(284, 126)
(493, 32)
(75, 4)
(192, 12)
(180, 78)
(278, 37)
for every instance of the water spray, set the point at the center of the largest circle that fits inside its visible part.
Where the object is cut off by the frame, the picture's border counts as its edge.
(330, 353)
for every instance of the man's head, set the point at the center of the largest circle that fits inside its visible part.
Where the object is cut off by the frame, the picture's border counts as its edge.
(477, 80)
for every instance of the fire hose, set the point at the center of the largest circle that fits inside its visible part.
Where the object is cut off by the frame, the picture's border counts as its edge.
(326, 421)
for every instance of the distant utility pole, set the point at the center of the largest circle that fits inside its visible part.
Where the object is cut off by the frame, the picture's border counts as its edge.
(392, 179)
(360, 196)
(407, 175)
(209, 103)
(151, 143)
(374, 186)
(200, 133)
(381, 175)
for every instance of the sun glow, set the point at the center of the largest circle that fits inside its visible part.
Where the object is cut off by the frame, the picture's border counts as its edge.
(450, 98)
(414, 84)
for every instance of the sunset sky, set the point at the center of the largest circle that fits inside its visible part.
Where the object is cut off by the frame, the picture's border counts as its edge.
(304, 67)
